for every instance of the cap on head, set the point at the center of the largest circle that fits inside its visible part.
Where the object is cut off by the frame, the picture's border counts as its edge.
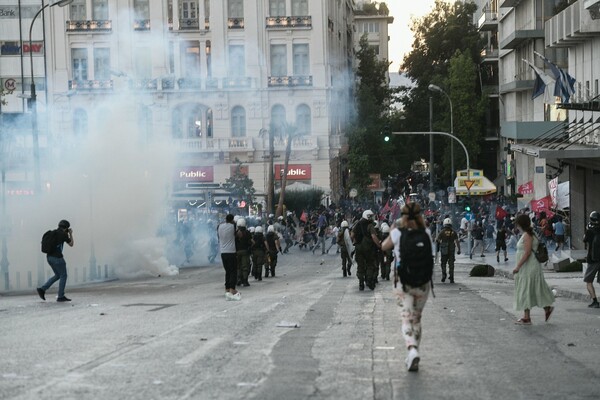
(258, 229)
(270, 229)
(64, 224)
(344, 224)
(241, 222)
(367, 214)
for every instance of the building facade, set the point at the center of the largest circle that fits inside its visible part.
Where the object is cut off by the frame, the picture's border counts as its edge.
(547, 138)
(217, 77)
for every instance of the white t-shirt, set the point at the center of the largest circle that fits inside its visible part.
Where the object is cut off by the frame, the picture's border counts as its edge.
(226, 234)
(396, 234)
(464, 223)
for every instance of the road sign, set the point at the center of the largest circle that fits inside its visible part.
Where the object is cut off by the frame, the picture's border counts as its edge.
(469, 184)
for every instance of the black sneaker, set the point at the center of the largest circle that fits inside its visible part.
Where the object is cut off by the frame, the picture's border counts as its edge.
(594, 304)
(64, 298)
(42, 293)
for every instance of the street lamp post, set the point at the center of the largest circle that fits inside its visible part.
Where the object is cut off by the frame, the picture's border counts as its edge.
(33, 102)
(435, 88)
(468, 164)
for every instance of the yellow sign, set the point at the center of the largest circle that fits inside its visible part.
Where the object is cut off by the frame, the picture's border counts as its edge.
(469, 184)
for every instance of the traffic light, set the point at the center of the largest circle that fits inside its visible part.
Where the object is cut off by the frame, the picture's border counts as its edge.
(386, 133)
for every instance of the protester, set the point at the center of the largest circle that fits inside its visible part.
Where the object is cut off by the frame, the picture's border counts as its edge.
(531, 289)
(62, 235)
(559, 233)
(501, 243)
(344, 251)
(412, 299)
(592, 240)
(226, 235)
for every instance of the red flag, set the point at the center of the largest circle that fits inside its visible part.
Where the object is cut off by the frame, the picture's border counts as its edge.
(304, 217)
(386, 208)
(500, 213)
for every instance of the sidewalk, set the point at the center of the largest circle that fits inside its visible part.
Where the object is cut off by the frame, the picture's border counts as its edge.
(566, 284)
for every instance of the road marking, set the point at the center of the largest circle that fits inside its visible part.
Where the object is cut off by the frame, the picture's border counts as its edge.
(204, 348)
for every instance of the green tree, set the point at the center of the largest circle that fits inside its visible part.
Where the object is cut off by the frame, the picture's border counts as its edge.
(469, 108)
(367, 151)
(438, 36)
(288, 133)
(240, 184)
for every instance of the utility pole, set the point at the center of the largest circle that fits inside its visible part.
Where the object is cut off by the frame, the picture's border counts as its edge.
(430, 144)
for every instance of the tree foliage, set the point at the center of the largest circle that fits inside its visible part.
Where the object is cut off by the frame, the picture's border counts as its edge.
(373, 99)
(446, 52)
(242, 186)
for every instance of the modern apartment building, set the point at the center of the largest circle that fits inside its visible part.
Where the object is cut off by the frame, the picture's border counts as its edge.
(375, 26)
(548, 137)
(218, 77)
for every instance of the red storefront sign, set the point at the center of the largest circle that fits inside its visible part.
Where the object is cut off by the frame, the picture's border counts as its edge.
(195, 174)
(296, 172)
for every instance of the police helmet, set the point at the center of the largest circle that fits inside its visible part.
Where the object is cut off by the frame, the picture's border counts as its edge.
(447, 222)
(367, 214)
(344, 224)
(258, 229)
(241, 222)
(594, 217)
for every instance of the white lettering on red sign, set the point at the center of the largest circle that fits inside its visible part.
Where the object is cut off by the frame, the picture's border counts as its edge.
(297, 172)
(192, 174)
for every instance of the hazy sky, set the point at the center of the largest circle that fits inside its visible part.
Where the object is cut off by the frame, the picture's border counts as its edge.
(400, 34)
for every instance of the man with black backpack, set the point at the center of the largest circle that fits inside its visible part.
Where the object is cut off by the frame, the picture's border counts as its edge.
(52, 245)
(592, 239)
(412, 246)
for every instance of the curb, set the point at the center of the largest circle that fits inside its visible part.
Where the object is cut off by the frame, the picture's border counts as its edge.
(559, 292)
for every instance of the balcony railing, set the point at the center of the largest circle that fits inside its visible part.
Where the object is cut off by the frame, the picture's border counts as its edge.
(89, 26)
(141, 25)
(287, 81)
(189, 83)
(189, 23)
(91, 85)
(167, 83)
(143, 84)
(192, 24)
(212, 144)
(289, 22)
(235, 23)
(239, 82)
(489, 53)
(302, 143)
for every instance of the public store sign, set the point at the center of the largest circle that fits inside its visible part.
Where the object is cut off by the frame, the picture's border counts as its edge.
(296, 172)
(195, 174)
(14, 12)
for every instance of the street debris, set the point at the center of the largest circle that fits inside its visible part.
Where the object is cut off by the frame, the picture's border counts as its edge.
(288, 324)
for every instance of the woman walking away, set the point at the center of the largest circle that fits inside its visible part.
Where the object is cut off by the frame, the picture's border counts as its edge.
(414, 263)
(531, 289)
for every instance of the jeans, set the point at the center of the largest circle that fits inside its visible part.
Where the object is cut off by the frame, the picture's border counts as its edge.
(230, 265)
(59, 266)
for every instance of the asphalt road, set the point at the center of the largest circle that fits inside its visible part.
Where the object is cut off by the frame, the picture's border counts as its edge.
(177, 338)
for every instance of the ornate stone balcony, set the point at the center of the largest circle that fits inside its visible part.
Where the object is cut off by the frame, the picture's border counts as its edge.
(192, 24)
(289, 81)
(214, 144)
(89, 26)
(289, 22)
(235, 23)
(141, 25)
(143, 84)
(91, 85)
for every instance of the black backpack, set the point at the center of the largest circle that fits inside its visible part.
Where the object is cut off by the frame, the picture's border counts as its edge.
(50, 241)
(416, 259)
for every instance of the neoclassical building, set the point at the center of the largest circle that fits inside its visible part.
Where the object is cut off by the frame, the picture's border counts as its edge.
(215, 76)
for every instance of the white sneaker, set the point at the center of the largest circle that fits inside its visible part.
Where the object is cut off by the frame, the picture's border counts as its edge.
(233, 297)
(412, 360)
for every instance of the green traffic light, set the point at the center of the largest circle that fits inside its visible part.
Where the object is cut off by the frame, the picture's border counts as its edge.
(467, 208)
(386, 138)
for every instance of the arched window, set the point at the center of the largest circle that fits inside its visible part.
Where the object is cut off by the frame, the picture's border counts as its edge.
(192, 121)
(80, 122)
(238, 122)
(303, 120)
(277, 119)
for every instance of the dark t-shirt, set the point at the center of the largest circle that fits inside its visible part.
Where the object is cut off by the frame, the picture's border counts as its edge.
(63, 238)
